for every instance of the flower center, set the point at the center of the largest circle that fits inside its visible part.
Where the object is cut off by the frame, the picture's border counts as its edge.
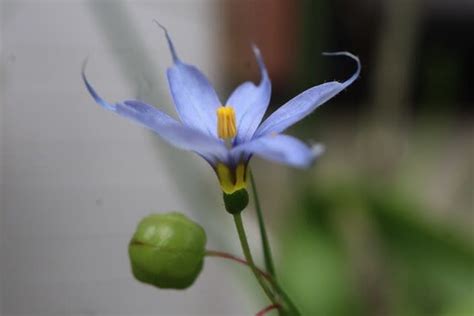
(232, 178)
(226, 127)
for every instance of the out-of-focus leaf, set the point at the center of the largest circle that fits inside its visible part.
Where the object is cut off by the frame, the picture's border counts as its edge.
(315, 274)
(425, 267)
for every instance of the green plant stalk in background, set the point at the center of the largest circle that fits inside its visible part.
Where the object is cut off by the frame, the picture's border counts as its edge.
(276, 294)
(267, 253)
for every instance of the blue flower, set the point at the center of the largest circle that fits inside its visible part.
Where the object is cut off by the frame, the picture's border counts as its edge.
(228, 134)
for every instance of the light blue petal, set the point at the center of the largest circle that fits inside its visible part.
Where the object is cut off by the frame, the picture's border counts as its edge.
(250, 102)
(172, 131)
(279, 148)
(195, 99)
(93, 93)
(305, 103)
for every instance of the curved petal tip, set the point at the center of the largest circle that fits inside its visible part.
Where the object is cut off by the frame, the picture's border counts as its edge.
(258, 56)
(317, 150)
(256, 50)
(168, 39)
(92, 91)
(353, 57)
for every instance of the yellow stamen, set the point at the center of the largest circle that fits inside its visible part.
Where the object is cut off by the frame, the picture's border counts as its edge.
(226, 127)
(231, 179)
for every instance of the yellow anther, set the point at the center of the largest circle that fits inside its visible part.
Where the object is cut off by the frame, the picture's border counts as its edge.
(226, 127)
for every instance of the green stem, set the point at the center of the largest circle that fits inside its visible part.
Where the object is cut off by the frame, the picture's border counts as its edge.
(288, 307)
(248, 256)
(267, 253)
(225, 255)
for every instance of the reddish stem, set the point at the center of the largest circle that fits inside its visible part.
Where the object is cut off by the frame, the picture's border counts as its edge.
(220, 254)
(267, 309)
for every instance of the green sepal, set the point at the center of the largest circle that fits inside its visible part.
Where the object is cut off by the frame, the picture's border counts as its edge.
(167, 251)
(236, 202)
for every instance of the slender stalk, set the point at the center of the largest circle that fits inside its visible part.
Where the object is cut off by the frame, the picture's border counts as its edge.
(288, 307)
(248, 256)
(267, 253)
(267, 309)
(288, 304)
(224, 255)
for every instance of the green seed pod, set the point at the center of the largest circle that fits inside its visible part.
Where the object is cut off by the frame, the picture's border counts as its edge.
(236, 202)
(167, 251)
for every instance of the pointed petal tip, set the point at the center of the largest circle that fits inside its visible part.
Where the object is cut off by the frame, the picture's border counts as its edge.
(160, 25)
(174, 55)
(256, 50)
(84, 65)
(317, 150)
(261, 64)
(343, 53)
(353, 57)
(92, 91)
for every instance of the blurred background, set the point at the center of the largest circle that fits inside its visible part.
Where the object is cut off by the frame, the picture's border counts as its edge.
(381, 225)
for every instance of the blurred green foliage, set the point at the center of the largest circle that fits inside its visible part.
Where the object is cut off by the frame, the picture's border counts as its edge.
(355, 249)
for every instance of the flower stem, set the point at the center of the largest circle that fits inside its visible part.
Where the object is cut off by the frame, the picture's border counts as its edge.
(267, 253)
(224, 255)
(267, 309)
(248, 256)
(288, 307)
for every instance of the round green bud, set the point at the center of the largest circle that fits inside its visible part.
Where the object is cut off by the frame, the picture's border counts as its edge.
(236, 202)
(167, 250)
